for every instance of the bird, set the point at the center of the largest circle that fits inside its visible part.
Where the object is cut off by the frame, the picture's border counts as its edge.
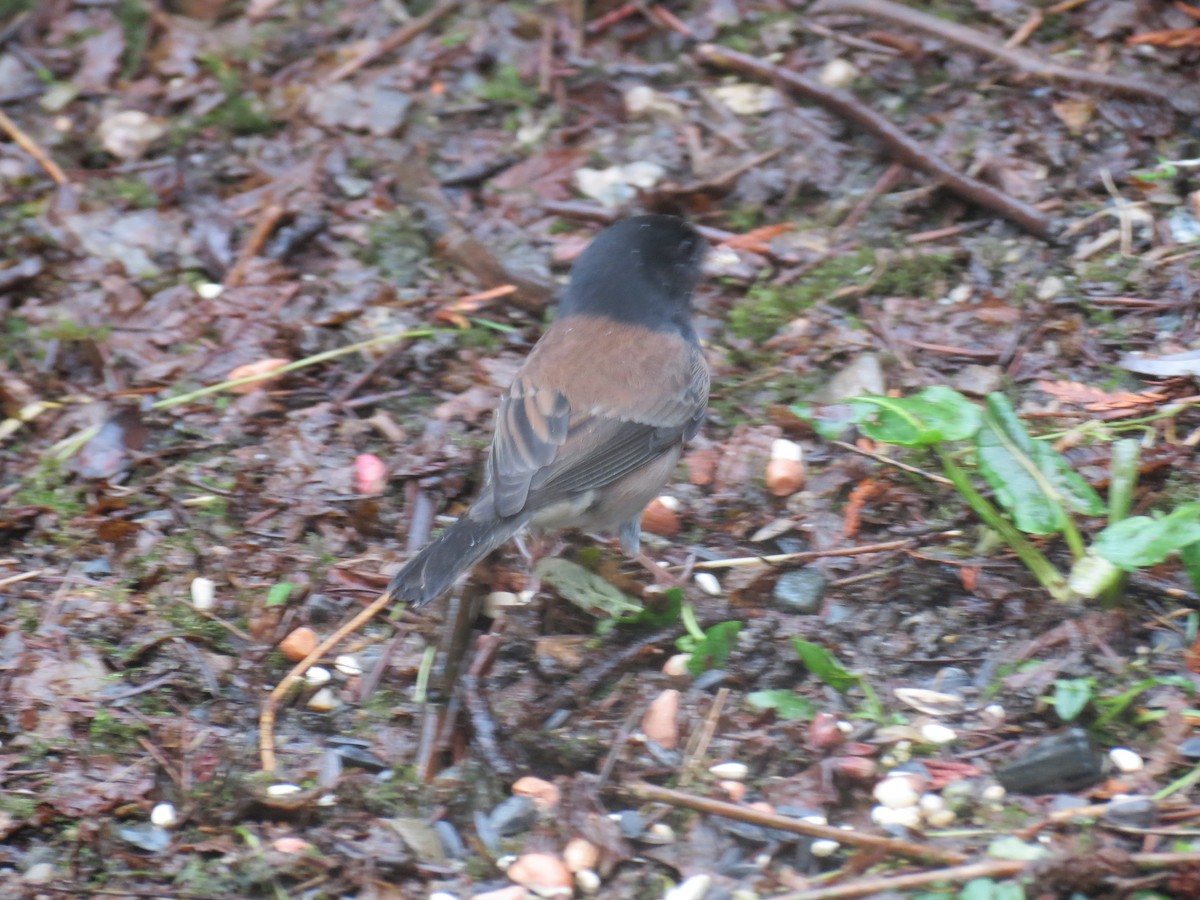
(597, 417)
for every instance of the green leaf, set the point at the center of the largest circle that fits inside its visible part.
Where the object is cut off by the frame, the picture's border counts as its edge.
(1190, 555)
(585, 589)
(936, 414)
(714, 650)
(1031, 480)
(1142, 541)
(788, 705)
(825, 666)
(1071, 695)
(986, 889)
(279, 593)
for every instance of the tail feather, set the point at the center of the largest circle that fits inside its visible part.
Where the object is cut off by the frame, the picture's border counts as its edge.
(443, 559)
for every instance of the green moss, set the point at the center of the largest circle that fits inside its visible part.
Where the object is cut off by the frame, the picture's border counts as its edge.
(396, 246)
(506, 86)
(917, 275)
(134, 16)
(132, 193)
(766, 307)
(110, 733)
(49, 487)
(242, 112)
(19, 806)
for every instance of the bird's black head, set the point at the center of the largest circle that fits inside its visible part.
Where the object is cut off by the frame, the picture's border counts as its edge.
(641, 271)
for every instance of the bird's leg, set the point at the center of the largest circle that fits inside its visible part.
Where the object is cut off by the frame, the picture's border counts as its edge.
(631, 543)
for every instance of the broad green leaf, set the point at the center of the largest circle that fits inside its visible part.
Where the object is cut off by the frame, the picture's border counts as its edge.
(935, 415)
(788, 705)
(1142, 541)
(714, 650)
(661, 613)
(1071, 695)
(1031, 480)
(1191, 562)
(825, 666)
(279, 593)
(986, 889)
(585, 589)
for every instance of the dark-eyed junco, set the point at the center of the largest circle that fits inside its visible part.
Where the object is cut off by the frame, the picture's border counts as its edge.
(595, 421)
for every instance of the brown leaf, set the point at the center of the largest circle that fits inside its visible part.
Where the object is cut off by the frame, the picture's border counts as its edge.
(1094, 399)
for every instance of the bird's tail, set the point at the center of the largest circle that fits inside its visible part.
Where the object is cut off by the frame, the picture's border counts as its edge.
(452, 552)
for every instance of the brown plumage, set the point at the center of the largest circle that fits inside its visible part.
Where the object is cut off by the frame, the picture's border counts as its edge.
(595, 421)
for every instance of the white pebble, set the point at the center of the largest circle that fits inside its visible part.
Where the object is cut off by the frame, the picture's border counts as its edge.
(730, 771)
(317, 676)
(994, 792)
(896, 792)
(844, 727)
(441, 895)
(587, 881)
(815, 819)
(1126, 761)
(693, 888)
(164, 816)
(677, 665)
(283, 790)
(883, 816)
(669, 502)
(782, 448)
(660, 833)
(994, 715)
(323, 700)
(204, 592)
(348, 665)
(708, 583)
(209, 290)
(936, 733)
(931, 803)
(837, 73)
(824, 847)
(940, 818)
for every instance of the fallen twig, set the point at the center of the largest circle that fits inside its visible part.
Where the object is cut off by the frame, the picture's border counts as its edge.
(801, 556)
(395, 40)
(1024, 61)
(26, 143)
(900, 145)
(896, 846)
(266, 720)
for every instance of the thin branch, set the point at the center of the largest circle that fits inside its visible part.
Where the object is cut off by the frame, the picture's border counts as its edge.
(395, 40)
(896, 846)
(1182, 98)
(900, 146)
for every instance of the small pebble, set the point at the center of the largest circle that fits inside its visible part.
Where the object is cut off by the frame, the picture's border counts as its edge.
(587, 881)
(283, 790)
(204, 592)
(1126, 761)
(630, 823)
(164, 816)
(800, 591)
(1190, 748)
(318, 675)
(993, 715)
(543, 873)
(209, 290)
(659, 833)
(677, 665)
(39, 873)
(659, 723)
(824, 847)
(348, 665)
(936, 733)
(708, 583)
(297, 645)
(291, 845)
(732, 771)
(323, 700)
(513, 815)
(837, 73)
(940, 818)
(993, 793)
(544, 794)
(580, 855)
(694, 888)
(896, 792)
